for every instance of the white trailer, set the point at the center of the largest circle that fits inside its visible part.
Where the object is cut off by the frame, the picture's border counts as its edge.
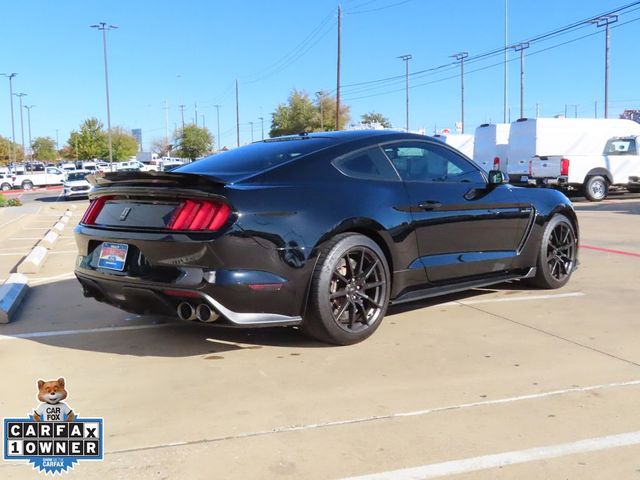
(462, 142)
(490, 146)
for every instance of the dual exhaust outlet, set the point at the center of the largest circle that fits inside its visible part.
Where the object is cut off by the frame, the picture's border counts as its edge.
(202, 312)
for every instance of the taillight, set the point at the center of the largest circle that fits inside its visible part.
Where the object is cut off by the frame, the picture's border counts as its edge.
(531, 168)
(564, 166)
(496, 163)
(194, 215)
(95, 207)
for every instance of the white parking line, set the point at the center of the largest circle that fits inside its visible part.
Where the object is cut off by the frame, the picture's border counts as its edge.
(12, 221)
(42, 280)
(313, 426)
(474, 464)
(551, 296)
(61, 333)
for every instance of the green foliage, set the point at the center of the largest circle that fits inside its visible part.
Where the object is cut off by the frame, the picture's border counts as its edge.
(5, 151)
(375, 117)
(3, 201)
(123, 145)
(193, 142)
(90, 142)
(14, 202)
(301, 114)
(44, 148)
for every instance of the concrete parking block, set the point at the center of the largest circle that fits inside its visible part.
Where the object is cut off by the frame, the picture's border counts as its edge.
(59, 226)
(34, 261)
(49, 239)
(64, 219)
(11, 294)
(68, 213)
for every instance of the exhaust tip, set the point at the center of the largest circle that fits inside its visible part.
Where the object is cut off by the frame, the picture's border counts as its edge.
(186, 311)
(205, 314)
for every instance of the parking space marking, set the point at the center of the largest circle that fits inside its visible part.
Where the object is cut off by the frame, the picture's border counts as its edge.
(390, 416)
(485, 462)
(512, 299)
(12, 221)
(61, 333)
(62, 276)
(610, 250)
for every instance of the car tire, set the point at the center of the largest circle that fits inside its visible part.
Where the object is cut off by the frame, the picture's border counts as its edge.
(27, 185)
(349, 292)
(6, 187)
(596, 188)
(556, 255)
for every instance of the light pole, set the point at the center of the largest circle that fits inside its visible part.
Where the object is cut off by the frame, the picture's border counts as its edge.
(166, 122)
(521, 47)
(29, 107)
(460, 56)
(605, 22)
(202, 116)
(182, 107)
(218, 122)
(251, 123)
(405, 59)
(20, 95)
(505, 92)
(13, 128)
(195, 106)
(261, 126)
(320, 99)
(104, 27)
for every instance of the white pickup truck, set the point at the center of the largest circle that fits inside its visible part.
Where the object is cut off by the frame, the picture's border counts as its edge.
(50, 176)
(619, 165)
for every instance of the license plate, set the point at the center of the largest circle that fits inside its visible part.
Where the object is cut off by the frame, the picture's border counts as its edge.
(524, 178)
(113, 256)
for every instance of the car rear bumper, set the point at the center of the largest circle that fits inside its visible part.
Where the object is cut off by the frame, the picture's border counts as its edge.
(550, 181)
(243, 281)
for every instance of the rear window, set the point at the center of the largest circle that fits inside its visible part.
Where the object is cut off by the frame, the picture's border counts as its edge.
(256, 157)
(621, 146)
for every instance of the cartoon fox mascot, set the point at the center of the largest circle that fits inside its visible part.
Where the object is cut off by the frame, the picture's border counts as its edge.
(52, 408)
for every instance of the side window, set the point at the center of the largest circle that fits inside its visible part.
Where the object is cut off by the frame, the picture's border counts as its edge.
(369, 164)
(622, 146)
(427, 162)
(53, 171)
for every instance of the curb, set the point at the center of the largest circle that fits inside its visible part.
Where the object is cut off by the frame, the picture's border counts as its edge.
(34, 261)
(11, 295)
(49, 239)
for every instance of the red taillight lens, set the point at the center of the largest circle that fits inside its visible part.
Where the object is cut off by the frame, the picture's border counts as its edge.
(199, 215)
(95, 207)
(496, 163)
(564, 166)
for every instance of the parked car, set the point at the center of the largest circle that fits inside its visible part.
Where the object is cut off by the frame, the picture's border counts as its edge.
(322, 231)
(76, 184)
(6, 182)
(68, 166)
(51, 176)
(131, 165)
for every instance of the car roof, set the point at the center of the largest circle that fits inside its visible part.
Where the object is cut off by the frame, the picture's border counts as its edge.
(344, 136)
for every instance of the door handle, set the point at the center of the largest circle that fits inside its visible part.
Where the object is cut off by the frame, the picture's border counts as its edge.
(429, 204)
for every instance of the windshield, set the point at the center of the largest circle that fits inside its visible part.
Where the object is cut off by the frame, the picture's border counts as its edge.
(255, 158)
(72, 177)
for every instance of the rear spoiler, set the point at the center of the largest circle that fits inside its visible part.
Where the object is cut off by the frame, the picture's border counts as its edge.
(158, 179)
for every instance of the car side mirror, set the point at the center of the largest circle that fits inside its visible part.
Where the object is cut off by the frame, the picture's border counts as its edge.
(497, 177)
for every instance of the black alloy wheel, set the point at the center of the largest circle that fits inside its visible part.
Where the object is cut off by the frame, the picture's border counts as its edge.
(349, 292)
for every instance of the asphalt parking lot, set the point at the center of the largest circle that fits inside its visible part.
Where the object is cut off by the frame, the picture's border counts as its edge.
(496, 383)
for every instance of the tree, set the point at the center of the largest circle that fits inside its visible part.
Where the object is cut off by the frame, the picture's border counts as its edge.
(161, 146)
(44, 148)
(193, 142)
(90, 142)
(6, 155)
(373, 118)
(123, 145)
(301, 114)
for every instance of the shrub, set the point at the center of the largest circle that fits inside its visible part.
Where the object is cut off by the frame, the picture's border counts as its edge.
(2, 200)
(14, 202)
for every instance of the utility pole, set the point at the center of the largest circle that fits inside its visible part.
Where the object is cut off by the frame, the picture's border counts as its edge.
(338, 70)
(13, 128)
(261, 126)
(405, 59)
(521, 47)
(605, 22)
(506, 62)
(460, 56)
(537, 109)
(202, 116)
(195, 106)
(218, 123)
(104, 27)
(29, 107)
(166, 122)
(595, 108)
(182, 108)
(320, 100)
(237, 116)
(251, 123)
(20, 95)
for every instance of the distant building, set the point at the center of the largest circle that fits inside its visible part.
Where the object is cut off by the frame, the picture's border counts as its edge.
(631, 115)
(137, 134)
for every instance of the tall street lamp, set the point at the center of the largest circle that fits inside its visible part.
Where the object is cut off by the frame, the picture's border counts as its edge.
(104, 27)
(13, 128)
(405, 59)
(251, 123)
(29, 107)
(460, 56)
(20, 95)
(605, 22)
(218, 124)
(521, 47)
(261, 126)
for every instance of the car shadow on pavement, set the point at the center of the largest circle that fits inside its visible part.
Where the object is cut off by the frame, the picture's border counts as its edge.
(51, 199)
(629, 207)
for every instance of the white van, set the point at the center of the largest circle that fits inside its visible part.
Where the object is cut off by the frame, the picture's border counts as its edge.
(490, 146)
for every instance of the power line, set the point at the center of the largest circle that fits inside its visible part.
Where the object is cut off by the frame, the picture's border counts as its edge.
(358, 12)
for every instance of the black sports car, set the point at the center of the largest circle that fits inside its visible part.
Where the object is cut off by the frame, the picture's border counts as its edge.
(320, 230)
